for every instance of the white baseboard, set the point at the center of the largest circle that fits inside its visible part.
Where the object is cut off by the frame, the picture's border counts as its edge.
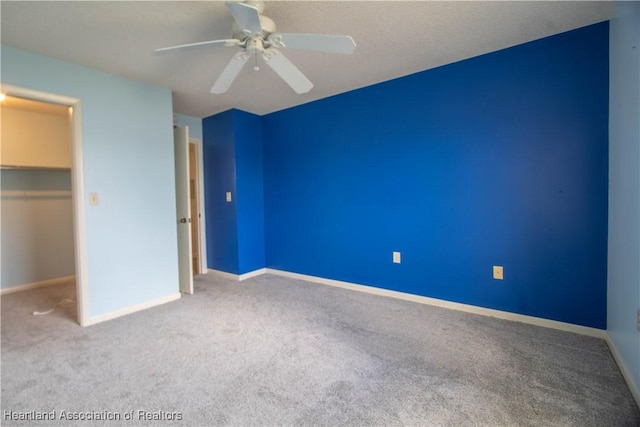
(238, 277)
(132, 309)
(224, 274)
(251, 274)
(623, 368)
(538, 321)
(28, 286)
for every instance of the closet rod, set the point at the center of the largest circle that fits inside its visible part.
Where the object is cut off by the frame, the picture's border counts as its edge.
(34, 168)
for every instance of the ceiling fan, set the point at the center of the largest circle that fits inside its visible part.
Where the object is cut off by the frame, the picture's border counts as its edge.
(256, 35)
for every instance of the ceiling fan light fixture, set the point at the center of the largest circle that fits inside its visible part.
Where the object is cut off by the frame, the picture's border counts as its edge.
(254, 34)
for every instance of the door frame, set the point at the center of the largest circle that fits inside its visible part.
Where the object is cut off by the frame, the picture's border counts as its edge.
(77, 189)
(202, 235)
(183, 209)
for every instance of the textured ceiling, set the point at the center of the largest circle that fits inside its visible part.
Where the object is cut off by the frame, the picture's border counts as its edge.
(393, 39)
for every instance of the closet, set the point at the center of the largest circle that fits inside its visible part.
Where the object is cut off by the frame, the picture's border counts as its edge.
(36, 203)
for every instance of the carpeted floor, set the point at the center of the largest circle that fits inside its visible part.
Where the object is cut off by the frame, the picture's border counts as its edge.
(277, 351)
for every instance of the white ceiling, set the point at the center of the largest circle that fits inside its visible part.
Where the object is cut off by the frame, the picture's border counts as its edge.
(393, 39)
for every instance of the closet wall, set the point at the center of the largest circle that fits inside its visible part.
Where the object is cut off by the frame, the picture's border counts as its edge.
(36, 208)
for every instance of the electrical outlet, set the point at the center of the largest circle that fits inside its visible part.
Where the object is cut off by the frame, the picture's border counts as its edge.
(94, 199)
(638, 325)
(396, 258)
(228, 196)
(498, 272)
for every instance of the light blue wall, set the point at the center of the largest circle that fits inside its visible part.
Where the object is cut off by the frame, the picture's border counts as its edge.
(624, 185)
(194, 124)
(128, 159)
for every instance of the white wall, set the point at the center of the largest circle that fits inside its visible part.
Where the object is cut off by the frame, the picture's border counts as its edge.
(623, 299)
(36, 216)
(127, 159)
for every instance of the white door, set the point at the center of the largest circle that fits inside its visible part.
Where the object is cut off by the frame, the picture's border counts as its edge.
(183, 210)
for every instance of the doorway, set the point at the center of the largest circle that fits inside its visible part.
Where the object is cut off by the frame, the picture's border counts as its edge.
(196, 192)
(189, 208)
(75, 170)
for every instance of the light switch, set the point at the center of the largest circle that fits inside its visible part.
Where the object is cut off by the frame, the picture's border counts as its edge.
(498, 272)
(396, 258)
(228, 196)
(94, 199)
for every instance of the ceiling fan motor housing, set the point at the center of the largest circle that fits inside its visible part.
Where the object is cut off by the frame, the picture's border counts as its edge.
(255, 44)
(267, 24)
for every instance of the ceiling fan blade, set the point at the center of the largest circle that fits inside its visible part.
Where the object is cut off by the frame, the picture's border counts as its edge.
(247, 17)
(285, 69)
(230, 73)
(318, 42)
(226, 42)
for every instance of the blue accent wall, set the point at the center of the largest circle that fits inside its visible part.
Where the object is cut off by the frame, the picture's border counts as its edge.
(233, 162)
(219, 177)
(250, 191)
(501, 159)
